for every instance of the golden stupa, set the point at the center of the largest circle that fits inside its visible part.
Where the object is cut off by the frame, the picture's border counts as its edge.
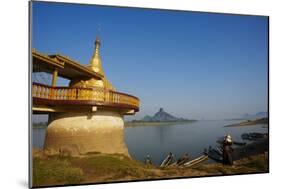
(95, 65)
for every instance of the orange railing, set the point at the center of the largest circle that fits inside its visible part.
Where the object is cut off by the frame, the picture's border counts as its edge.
(81, 94)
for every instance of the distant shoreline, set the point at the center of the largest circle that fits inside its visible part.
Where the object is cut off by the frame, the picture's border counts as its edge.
(155, 123)
(40, 127)
(249, 122)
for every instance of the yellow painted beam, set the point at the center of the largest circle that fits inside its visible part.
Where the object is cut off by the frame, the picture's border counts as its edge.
(55, 76)
(44, 109)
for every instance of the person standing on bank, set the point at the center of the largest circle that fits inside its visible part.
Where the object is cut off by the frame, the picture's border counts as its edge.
(148, 160)
(227, 150)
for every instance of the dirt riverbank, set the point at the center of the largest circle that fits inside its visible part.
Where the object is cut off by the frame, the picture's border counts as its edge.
(101, 168)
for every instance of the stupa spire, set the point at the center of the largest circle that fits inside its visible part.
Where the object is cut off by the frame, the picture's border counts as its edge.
(95, 62)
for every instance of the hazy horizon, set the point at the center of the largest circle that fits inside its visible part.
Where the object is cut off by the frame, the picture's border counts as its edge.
(194, 65)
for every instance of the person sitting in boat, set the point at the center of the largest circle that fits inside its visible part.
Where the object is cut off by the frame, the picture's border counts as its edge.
(227, 150)
(183, 159)
(148, 160)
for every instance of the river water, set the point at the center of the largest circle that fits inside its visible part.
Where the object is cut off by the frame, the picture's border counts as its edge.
(158, 141)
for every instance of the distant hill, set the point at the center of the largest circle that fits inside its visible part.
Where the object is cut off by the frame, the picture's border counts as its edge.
(258, 115)
(161, 116)
(147, 118)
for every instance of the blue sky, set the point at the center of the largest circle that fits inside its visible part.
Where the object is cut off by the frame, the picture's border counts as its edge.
(194, 65)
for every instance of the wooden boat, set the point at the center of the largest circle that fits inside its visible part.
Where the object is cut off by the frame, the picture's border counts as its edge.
(167, 161)
(219, 150)
(195, 161)
(214, 154)
(174, 164)
(182, 160)
(254, 136)
(246, 136)
(239, 143)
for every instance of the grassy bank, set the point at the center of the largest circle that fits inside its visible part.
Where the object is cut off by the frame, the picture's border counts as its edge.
(96, 168)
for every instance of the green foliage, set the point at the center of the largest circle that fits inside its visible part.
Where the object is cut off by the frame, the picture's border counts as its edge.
(110, 166)
(56, 171)
(97, 167)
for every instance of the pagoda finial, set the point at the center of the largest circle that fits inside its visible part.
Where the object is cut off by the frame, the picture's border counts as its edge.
(97, 46)
(95, 62)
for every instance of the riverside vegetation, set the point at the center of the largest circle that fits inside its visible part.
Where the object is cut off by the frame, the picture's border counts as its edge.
(101, 168)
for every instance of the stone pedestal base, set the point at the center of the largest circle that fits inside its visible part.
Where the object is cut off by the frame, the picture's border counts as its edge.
(76, 134)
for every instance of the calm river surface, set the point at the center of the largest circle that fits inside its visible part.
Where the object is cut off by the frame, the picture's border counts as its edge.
(158, 141)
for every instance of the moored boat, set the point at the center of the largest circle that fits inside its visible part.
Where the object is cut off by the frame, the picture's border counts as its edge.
(254, 136)
(168, 160)
(182, 160)
(196, 161)
(214, 154)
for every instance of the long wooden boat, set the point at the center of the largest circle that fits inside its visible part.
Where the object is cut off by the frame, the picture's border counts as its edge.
(219, 150)
(214, 154)
(195, 161)
(167, 161)
(239, 143)
(254, 136)
(179, 162)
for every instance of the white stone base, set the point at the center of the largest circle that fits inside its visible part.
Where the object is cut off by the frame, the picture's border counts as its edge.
(81, 133)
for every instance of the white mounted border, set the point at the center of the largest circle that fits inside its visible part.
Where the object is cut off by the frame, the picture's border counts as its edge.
(14, 119)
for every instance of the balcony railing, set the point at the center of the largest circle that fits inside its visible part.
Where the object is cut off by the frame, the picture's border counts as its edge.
(97, 95)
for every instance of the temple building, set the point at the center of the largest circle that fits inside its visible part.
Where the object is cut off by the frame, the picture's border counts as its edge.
(85, 117)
